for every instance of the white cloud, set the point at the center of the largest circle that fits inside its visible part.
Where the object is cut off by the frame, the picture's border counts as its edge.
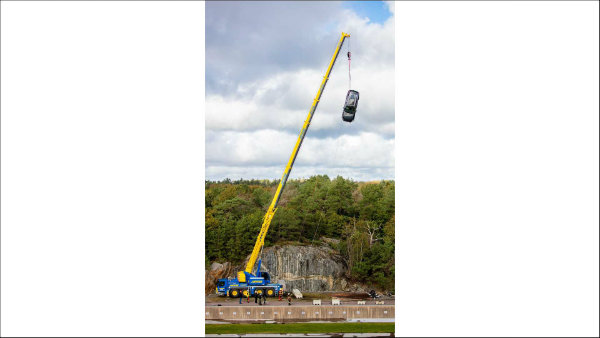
(283, 101)
(271, 147)
(299, 171)
(254, 124)
(391, 7)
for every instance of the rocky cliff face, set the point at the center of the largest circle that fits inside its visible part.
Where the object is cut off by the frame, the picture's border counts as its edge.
(216, 272)
(307, 268)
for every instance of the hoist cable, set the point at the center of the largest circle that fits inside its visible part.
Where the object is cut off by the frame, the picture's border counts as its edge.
(349, 76)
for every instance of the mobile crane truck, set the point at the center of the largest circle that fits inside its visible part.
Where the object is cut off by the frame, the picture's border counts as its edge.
(250, 282)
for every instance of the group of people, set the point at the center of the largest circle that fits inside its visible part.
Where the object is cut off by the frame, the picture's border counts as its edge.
(261, 298)
(258, 298)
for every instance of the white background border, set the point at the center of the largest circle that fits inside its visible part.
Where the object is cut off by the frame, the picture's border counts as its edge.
(102, 168)
(497, 168)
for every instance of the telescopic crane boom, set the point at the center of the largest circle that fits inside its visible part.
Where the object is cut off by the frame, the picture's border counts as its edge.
(248, 283)
(260, 241)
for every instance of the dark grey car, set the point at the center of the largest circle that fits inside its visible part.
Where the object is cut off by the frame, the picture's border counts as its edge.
(350, 106)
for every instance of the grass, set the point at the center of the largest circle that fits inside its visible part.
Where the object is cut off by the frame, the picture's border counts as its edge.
(300, 328)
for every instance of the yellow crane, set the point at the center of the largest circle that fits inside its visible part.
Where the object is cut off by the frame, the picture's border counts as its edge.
(247, 281)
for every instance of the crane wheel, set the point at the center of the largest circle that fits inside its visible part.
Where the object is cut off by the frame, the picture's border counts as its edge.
(234, 293)
(246, 293)
(259, 292)
(270, 293)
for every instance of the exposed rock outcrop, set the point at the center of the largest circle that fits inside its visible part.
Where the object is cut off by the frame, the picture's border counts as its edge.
(307, 268)
(216, 272)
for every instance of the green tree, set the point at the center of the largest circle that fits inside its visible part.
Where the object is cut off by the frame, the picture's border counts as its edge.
(246, 231)
(370, 203)
(261, 197)
(359, 215)
(285, 226)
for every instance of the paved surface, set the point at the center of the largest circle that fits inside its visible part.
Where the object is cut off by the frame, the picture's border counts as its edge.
(226, 301)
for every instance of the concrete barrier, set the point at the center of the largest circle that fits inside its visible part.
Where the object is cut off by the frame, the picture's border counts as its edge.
(379, 302)
(287, 313)
(361, 302)
(335, 301)
(316, 302)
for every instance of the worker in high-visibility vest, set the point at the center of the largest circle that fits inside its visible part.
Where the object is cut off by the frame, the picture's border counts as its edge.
(280, 294)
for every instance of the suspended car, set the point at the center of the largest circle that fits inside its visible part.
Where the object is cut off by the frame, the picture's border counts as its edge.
(350, 106)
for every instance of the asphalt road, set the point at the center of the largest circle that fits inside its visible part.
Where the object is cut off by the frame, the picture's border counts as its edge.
(226, 301)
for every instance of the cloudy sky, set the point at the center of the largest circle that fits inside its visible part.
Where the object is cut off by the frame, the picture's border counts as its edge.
(264, 64)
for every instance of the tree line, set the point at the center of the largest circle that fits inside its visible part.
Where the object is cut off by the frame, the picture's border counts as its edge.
(357, 217)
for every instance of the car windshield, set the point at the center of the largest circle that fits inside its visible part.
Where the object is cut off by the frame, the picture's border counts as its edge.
(220, 283)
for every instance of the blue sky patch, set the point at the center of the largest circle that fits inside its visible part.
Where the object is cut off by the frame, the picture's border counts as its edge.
(376, 11)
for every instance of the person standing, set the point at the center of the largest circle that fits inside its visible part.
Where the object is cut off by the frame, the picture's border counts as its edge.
(289, 299)
(264, 298)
